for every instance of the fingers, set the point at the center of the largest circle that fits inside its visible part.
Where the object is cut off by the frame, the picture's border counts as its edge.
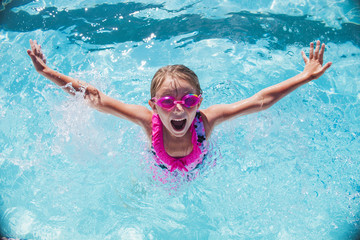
(321, 54)
(32, 56)
(32, 45)
(35, 47)
(316, 55)
(41, 55)
(36, 50)
(304, 56)
(319, 51)
(311, 54)
(323, 69)
(326, 66)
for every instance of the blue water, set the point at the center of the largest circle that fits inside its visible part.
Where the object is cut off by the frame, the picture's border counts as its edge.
(69, 172)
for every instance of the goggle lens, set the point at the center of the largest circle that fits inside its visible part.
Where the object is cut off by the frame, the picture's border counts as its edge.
(166, 102)
(191, 100)
(169, 102)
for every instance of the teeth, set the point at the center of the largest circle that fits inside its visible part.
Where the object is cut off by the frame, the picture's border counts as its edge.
(179, 120)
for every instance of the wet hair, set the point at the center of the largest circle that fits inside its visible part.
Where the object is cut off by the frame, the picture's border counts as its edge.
(175, 72)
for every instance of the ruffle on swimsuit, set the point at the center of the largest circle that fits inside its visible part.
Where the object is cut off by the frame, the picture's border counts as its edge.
(187, 163)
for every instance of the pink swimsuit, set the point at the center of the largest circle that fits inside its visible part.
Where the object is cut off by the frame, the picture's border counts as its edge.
(187, 163)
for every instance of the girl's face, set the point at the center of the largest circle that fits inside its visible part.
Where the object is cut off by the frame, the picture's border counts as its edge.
(178, 120)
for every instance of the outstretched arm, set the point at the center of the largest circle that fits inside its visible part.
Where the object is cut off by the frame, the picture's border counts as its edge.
(69, 84)
(96, 99)
(267, 97)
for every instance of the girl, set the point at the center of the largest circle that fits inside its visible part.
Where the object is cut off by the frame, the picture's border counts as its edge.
(174, 125)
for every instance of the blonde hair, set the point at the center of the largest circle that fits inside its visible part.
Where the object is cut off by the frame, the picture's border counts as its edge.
(176, 72)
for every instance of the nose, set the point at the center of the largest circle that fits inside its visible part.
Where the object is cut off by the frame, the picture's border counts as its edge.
(179, 108)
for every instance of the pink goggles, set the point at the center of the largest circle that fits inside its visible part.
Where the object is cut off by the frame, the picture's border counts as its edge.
(169, 102)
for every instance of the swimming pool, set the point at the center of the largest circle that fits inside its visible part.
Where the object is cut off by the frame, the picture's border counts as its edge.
(68, 172)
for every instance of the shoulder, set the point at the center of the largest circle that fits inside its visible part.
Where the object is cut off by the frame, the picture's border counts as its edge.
(207, 121)
(145, 121)
(214, 115)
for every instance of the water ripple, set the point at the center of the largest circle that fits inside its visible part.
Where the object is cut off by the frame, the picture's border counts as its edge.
(110, 24)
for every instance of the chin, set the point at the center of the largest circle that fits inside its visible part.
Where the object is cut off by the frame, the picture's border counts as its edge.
(180, 133)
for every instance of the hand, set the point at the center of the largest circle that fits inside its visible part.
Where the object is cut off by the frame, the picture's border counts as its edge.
(314, 64)
(37, 56)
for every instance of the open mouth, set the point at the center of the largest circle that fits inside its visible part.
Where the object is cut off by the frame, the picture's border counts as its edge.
(178, 125)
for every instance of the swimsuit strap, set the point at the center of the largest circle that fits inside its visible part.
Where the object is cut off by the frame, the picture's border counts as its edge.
(200, 141)
(200, 132)
(188, 162)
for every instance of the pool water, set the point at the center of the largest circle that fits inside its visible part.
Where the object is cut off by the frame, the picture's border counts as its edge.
(69, 172)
